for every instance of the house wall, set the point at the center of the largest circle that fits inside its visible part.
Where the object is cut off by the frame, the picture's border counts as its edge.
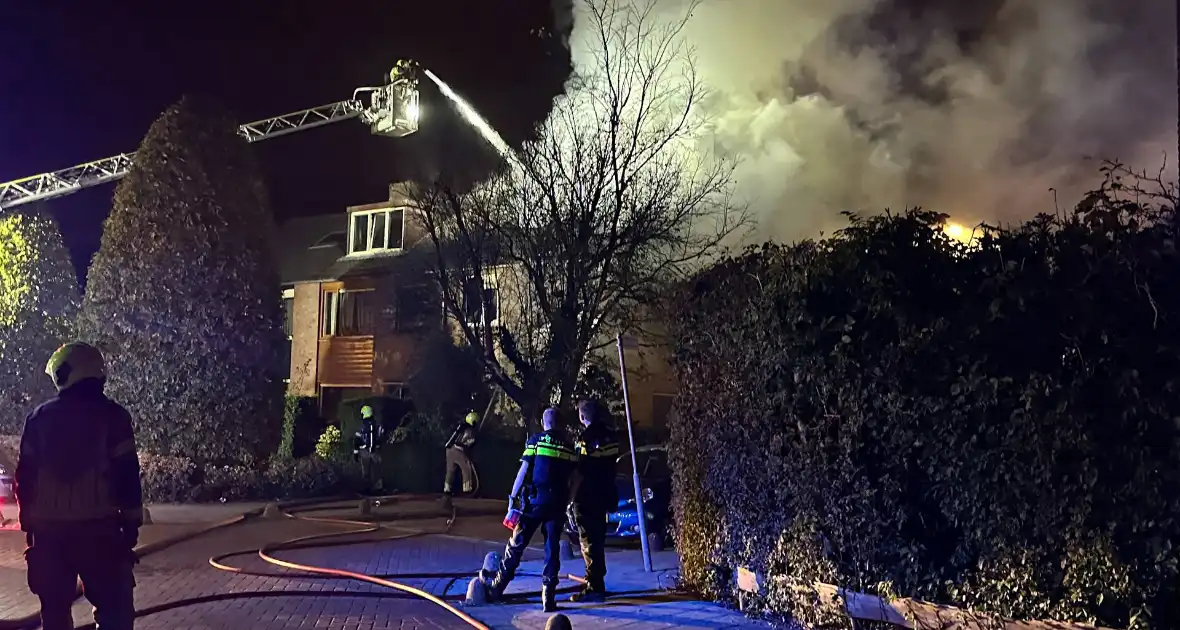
(305, 325)
(651, 382)
(371, 362)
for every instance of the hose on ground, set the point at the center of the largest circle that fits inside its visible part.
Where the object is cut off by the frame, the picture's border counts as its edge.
(304, 571)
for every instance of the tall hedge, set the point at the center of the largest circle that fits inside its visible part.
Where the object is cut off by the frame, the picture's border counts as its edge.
(994, 427)
(183, 294)
(39, 301)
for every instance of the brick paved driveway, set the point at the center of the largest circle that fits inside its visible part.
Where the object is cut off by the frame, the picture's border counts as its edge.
(183, 572)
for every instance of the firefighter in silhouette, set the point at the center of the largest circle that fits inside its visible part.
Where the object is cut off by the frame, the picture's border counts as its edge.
(80, 499)
(459, 449)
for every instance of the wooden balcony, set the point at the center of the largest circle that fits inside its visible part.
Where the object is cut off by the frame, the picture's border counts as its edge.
(346, 361)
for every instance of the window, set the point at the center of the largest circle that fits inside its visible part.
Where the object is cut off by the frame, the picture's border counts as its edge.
(349, 313)
(375, 230)
(288, 315)
(653, 465)
(396, 390)
(478, 297)
(416, 306)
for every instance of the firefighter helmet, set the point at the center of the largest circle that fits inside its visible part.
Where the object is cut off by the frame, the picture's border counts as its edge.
(471, 418)
(75, 362)
(367, 412)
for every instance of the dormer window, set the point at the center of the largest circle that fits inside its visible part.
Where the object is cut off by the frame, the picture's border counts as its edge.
(375, 230)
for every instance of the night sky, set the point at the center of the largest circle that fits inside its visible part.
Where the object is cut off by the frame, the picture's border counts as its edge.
(84, 80)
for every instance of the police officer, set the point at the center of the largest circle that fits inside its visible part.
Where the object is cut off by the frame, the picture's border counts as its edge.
(458, 449)
(78, 489)
(596, 495)
(548, 464)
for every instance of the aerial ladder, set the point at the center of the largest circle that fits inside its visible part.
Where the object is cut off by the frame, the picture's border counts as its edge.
(390, 110)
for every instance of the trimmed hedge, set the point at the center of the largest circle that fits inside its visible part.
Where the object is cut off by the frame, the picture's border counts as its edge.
(182, 296)
(179, 480)
(889, 410)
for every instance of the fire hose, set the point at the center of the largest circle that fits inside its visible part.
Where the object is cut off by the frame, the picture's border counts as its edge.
(266, 553)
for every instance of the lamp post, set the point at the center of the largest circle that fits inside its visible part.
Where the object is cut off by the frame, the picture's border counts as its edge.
(640, 512)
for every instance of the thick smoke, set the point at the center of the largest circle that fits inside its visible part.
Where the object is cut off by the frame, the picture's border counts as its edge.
(976, 109)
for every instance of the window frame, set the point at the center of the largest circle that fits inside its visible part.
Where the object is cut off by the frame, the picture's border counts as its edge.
(330, 320)
(388, 212)
(401, 324)
(485, 286)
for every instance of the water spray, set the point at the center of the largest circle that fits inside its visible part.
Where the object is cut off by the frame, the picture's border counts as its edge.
(474, 119)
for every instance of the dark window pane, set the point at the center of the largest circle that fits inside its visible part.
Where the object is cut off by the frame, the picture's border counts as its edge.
(378, 230)
(360, 232)
(395, 229)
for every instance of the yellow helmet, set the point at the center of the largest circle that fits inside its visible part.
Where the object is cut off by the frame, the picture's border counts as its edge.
(75, 362)
(471, 418)
(366, 412)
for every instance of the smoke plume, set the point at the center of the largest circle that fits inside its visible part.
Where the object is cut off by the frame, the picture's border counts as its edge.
(977, 109)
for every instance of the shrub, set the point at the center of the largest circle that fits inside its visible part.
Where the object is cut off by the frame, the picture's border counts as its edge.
(183, 294)
(302, 427)
(303, 478)
(894, 412)
(168, 479)
(331, 447)
(39, 302)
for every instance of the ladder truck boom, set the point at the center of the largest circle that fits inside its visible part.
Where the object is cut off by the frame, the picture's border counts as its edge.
(389, 110)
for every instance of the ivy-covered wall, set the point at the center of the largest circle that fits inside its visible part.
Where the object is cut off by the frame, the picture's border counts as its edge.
(994, 426)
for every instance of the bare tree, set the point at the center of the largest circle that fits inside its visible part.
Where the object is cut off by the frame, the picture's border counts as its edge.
(585, 224)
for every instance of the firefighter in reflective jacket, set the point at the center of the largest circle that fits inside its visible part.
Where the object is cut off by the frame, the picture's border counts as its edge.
(459, 448)
(597, 495)
(78, 489)
(548, 464)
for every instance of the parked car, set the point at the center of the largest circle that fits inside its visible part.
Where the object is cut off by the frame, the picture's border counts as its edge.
(655, 481)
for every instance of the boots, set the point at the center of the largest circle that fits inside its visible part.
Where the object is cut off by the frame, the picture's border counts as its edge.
(549, 598)
(589, 596)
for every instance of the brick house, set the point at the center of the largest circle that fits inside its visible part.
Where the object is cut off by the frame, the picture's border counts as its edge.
(360, 303)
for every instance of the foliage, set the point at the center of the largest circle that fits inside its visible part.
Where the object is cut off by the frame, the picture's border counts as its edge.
(183, 295)
(988, 425)
(585, 223)
(39, 302)
(425, 429)
(169, 479)
(331, 446)
(302, 426)
(599, 383)
(448, 380)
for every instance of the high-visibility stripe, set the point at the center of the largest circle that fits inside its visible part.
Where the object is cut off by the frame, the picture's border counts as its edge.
(556, 453)
(529, 451)
(605, 450)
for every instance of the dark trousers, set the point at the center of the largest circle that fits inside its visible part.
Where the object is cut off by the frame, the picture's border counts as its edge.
(550, 520)
(99, 557)
(590, 521)
(458, 458)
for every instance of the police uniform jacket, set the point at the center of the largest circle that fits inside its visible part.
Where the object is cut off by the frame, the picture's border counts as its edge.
(598, 449)
(552, 459)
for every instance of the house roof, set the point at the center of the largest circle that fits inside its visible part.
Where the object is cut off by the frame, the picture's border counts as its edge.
(362, 265)
(308, 247)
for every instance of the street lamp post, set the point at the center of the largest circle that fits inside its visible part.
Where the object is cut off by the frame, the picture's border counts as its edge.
(640, 510)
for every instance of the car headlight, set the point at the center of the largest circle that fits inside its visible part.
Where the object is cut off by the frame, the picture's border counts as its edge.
(647, 494)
